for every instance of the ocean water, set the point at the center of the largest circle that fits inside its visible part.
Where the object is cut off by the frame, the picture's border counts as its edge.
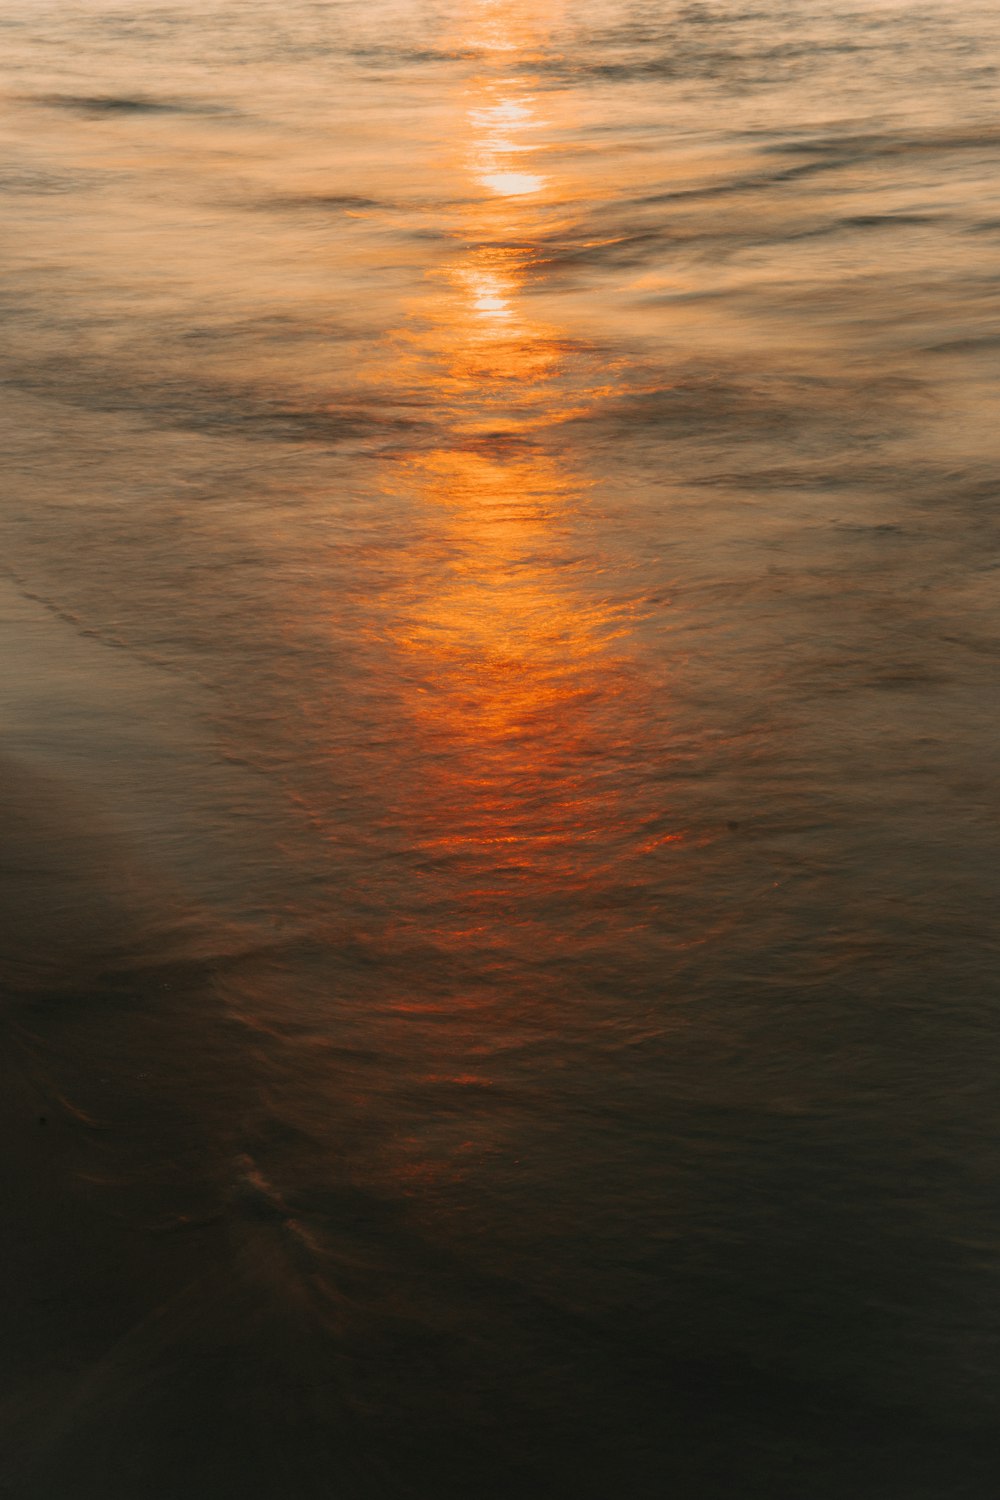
(499, 582)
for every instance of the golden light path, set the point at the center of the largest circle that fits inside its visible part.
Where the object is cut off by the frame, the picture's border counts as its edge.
(509, 669)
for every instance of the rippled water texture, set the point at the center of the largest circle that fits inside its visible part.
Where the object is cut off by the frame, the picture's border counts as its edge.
(499, 587)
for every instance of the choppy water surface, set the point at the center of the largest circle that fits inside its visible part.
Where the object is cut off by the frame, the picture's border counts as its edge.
(499, 597)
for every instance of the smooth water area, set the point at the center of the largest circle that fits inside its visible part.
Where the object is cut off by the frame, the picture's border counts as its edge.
(499, 592)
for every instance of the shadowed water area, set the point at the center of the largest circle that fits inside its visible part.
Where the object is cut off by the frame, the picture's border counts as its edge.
(499, 584)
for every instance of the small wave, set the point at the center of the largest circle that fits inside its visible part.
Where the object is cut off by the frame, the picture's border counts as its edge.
(32, 180)
(123, 104)
(335, 202)
(214, 409)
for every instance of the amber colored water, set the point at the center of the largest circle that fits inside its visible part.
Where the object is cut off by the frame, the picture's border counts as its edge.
(499, 805)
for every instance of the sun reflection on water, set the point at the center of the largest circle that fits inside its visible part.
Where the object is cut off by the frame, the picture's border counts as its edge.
(495, 145)
(512, 665)
(510, 843)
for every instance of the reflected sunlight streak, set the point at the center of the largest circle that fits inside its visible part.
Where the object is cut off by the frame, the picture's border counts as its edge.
(509, 672)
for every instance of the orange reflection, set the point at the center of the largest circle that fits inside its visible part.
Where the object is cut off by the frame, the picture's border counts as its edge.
(504, 854)
(511, 671)
(497, 131)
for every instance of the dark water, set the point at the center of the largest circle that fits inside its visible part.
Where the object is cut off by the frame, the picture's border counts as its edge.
(500, 583)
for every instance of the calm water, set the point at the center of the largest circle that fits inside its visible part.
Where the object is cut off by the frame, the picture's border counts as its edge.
(499, 587)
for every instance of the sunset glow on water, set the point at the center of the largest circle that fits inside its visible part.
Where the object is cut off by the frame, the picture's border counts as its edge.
(498, 763)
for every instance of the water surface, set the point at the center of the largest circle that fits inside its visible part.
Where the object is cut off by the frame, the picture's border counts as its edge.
(499, 592)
